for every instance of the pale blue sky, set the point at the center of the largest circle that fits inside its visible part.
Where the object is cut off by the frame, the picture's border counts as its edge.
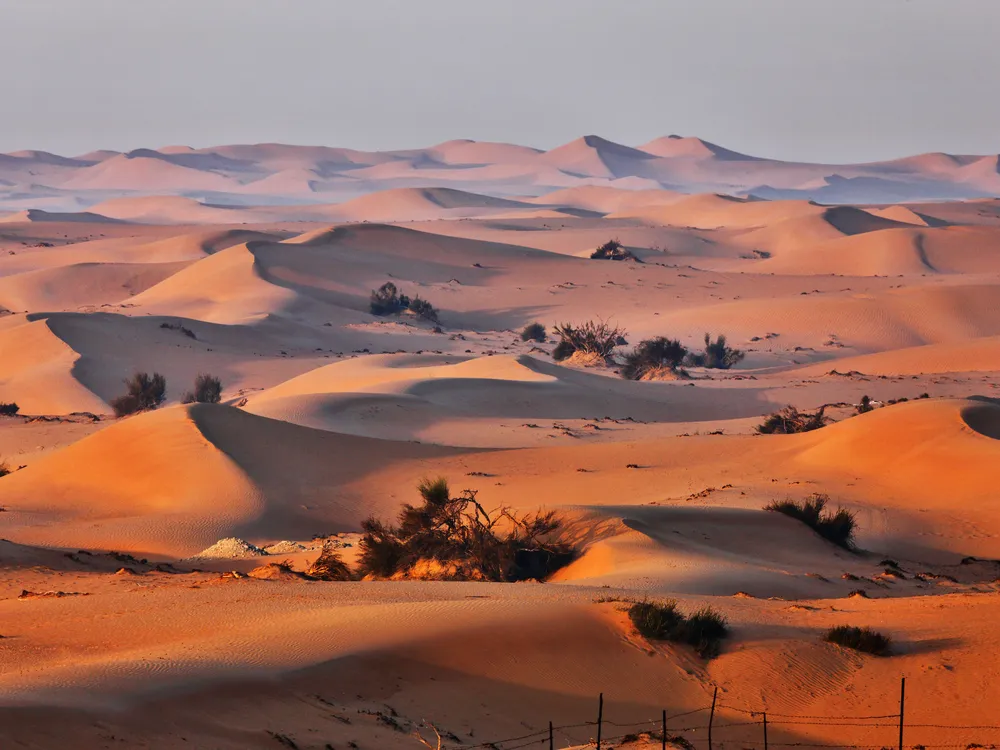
(837, 80)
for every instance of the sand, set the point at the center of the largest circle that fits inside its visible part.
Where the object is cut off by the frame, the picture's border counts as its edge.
(151, 587)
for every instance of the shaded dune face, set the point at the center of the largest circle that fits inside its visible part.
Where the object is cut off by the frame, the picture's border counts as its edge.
(154, 581)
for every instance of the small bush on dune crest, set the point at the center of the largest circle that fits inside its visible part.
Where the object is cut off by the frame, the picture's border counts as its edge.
(457, 538)
(651, 355)
(591, 337)
(613, 250)
(142, 393)
(4, 469)
(9, 410)
(207, 390)
(866, 640)
(837, 527)
(717, 354)
(790, 420)
(704, 630)
(533, 332)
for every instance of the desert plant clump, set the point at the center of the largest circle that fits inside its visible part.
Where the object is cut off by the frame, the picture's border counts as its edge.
(329, 566)
(142, 393)
(4, 469)
(704, 630)
(613, 250)
(423, 309)
(456, 538)
(207, 390)
(790, 420)
(837, 527)
(9, 410)
(592, 337)
(651, 355)
(866, 405)
(533, 332)
(386, 300)
(865, 640)
(717, 354)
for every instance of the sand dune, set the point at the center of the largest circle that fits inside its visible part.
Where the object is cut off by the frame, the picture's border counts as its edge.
(329, 414)
(40, 215)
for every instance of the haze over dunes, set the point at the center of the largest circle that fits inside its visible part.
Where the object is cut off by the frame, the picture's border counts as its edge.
(154, 566)
(266, 174)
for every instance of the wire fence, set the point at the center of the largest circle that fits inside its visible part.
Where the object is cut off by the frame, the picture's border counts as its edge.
(712, 727)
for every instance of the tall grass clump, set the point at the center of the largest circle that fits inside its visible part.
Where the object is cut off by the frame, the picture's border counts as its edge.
(837, 526)
(865, 640)
(652, 355)
(717, 354)
(704, 630)
(592, 337)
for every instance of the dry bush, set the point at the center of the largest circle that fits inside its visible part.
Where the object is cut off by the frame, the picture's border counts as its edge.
(613, 250)
(423, 309)
(142, 392)
(866, 640)
(457, 538)
(717, 354)
(207, 390)
(329, 566)
(9, 410)
(592, 337)
(533, 332)
(704, 630)
(837, 527)
(4, 469)
(790, 420)
(386, 300)
(651, 355)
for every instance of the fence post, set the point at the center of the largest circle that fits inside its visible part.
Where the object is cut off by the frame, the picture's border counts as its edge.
(600, 718)
(902, 703)
(664, 729)
(711, 718)
(552, 742)
(765, 730)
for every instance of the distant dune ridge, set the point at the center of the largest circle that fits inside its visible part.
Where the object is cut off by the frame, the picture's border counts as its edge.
(265, 173)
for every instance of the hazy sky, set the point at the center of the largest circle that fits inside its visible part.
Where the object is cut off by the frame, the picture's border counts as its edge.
(833, 80)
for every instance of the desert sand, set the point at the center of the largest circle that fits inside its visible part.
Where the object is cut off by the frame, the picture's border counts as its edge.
(255, 264)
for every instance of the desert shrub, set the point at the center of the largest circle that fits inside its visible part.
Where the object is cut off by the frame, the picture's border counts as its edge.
(178, 327)
(4, 469)
(837, 527)
(329, 566)
(207, 390)
(704, 630)
(386, 300)
(533, 332)
(790, 420)
(460, 535)
(717, 354)
(652, 354)
(613, 250)
(9, 410)
(866, 640)
(423, 309)
(142, 392)
(866, 405)
(592, 337)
